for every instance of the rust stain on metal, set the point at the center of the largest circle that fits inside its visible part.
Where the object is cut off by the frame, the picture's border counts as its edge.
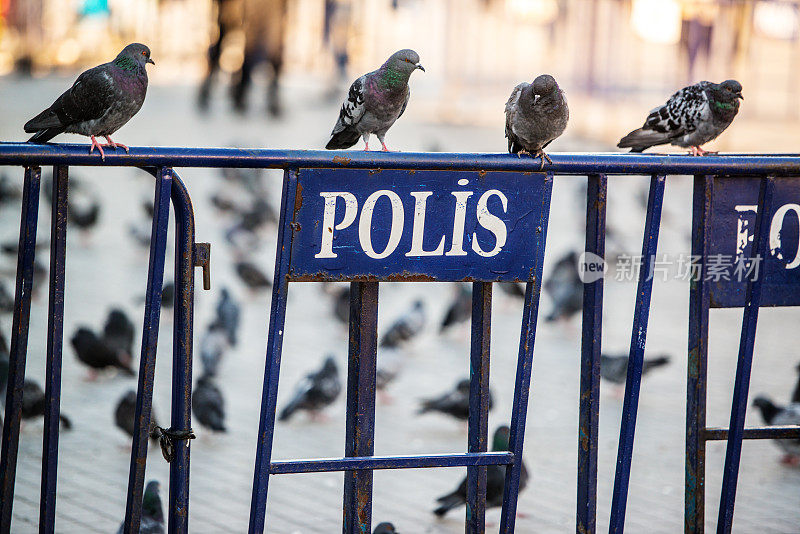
(342, 160)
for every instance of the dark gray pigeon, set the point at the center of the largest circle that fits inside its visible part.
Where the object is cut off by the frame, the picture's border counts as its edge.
(454, 403)
(228, 312)
(782, 416)
(536, 113)
(495, 480)
(97, 353)
(460, 309)
(375, 101)
(315, 391)
(125, 416)
(212, 348)
(208, 405)
(406, 327)
(691, 117)
(384, 528)
(614, 368)
(252, 276)
(118, 332)
(565, 288)
(100, 101)
(33, 403)
(152, 511)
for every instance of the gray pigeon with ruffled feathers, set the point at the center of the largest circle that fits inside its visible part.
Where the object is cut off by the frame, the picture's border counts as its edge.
(691, 117)
(536, 113)
(100, 101)
(375, 101)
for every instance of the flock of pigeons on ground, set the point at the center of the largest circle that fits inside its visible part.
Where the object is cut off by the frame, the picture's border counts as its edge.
(105, 97)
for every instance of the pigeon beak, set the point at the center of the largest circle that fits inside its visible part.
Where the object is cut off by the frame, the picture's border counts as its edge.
(420, 67)
(150, 61)
(739, 95)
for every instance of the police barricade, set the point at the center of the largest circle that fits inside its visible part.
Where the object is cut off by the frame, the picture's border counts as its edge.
(371, 217)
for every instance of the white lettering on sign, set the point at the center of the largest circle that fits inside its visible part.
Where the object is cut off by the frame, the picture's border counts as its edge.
(329, 218)
(459, 218)
(491, 222)
(418, 232)
(365, 224)
(775, 233)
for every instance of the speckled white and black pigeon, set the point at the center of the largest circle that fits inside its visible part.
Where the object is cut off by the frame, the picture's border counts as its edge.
(100, 101)
(536, 113)
(691, 117)
(375, 101)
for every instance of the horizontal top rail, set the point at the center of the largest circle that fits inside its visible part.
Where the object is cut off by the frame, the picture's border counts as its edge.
(563, 163)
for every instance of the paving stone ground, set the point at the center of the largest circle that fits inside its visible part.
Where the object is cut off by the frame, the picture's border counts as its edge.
(107, 269)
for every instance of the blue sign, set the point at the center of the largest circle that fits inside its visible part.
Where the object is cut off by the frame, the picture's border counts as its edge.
(418, 225)
(734, 206)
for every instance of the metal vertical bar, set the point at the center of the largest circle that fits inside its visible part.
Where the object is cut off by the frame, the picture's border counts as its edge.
(696, 372)
(19, 343)
(269, 394)
(747, 342)
(588, 424)
(181, 355)
(147, 361)
(360, 422)
(479, 403)
(636, 357)
(530, 312)
(55, 340)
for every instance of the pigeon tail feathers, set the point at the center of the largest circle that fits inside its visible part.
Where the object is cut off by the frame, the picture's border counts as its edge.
(343, 139)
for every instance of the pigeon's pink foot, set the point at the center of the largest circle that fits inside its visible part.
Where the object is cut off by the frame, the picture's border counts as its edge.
(791, 459)
(91, 376)
(114, 145)
(99, 147)
(384, 147)
(697, 151)
(366, 147)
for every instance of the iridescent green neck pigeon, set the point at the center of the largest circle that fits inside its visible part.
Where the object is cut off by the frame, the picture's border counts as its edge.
(152, 511)
(375, 101)
(536, 113)
(691, 117)
(100, 101)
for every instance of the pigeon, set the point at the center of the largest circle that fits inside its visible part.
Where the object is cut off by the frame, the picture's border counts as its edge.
(168, 295)
(614, 368)
(375, 101)
(152, 512)
(212, 348)
(252, 276)
(454, 403)
(691, 117)
(495, 480)
(460, 310)
(228, 312)
(406, 327)
(315, 391)
(98, 354)
(33, 403)
(390, 363)
(513, 289)
(100, 101)
(208, 405)
(118, 332)
(795, 393)
(341, 303)
(384, 528)
(222, 203)
(125, 416)
(782, 416)
(565, 288)
(86, 218)
(9, 189)
(536, 113)
(6, 299)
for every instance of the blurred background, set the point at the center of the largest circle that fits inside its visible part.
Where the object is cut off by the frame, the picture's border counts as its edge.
(273, 73)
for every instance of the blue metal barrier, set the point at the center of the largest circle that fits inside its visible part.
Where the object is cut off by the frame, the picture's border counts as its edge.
(311, 180)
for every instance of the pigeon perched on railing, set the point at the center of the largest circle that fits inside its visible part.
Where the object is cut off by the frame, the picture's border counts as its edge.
(152, 512)
(375, 101)
(97, 353)
(315, 391)
(454, 403)
(100, 101)
(495, 480)
(536, 114)
(406, 327)
(691, 117)
(208, 405)
(125, 416)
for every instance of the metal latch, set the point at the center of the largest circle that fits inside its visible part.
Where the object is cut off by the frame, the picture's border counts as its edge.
(202, 258)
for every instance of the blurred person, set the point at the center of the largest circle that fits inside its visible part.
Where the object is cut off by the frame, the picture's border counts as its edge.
(334, 34)
(697, 25)
(25, 17)
(229, 18)
(264, 32)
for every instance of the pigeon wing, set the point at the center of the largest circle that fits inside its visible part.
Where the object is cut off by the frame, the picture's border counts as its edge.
(344, 134)
(89, 98)
(514, 144)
